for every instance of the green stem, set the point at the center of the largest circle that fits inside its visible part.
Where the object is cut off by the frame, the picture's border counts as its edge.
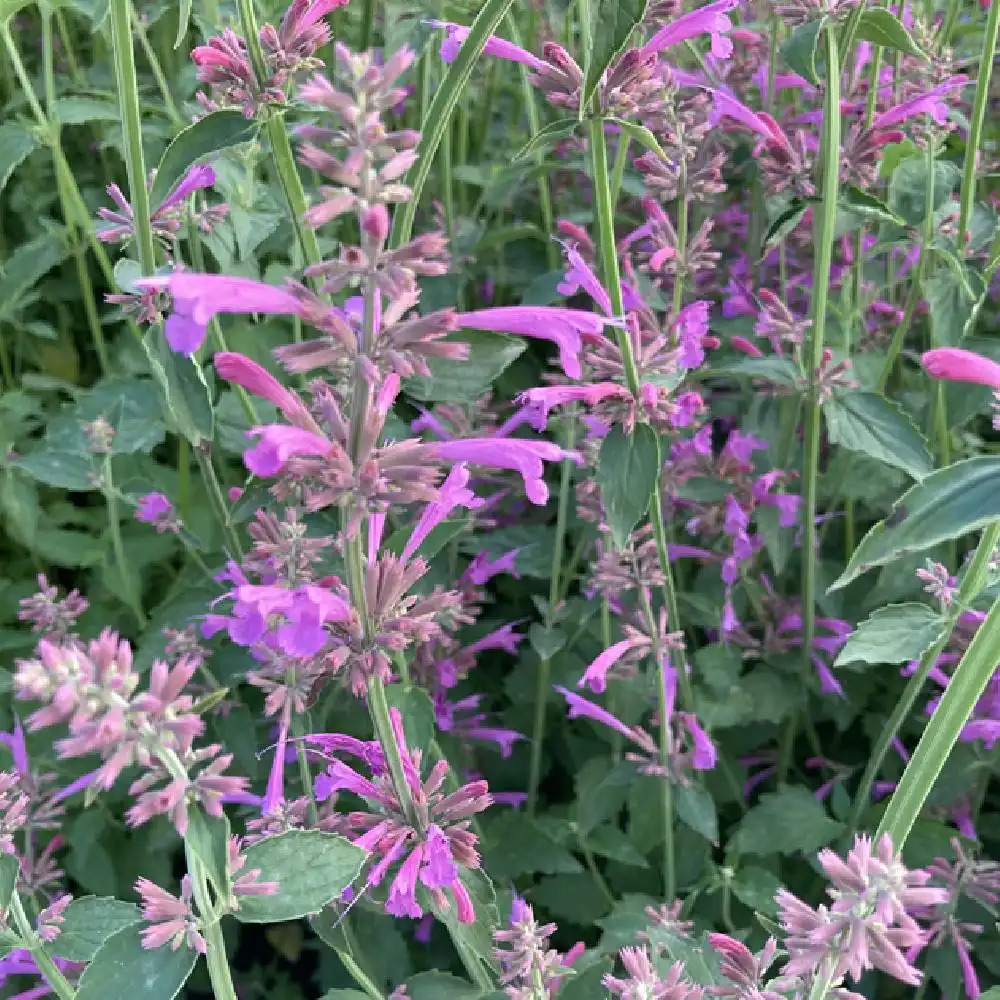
(826, 224)
(979, 102)
(957, 703)
(545, 665)
(291, 185)
(972, 583)
(211, 929)
(607, 249)
(128, 95)
(31, 941)
(157, 70)
(217, 500)
(118, 547)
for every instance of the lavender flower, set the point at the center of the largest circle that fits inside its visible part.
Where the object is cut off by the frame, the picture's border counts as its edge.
(170, 919)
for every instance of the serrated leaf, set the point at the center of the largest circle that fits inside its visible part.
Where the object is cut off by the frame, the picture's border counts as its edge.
(641, 134)
(440, 986)
(19, 505)
(9, 868)
(696, 808)
(880, 27)
(613, 24)
(63, 469)
(546, 642)
(215, 132)
(312, 868)
(949, 503)
(756, 888)
(908, 188)
(88, 923)
(16, 144)
(26, 266)
(465, 382)
(953, 301)
(789, 821)
(800, 50)
(785, 222)
(122, 964)
(896, 634)
(852, 199)
(878, 427)
(781, 371)
(548, 136)
(515, 846)
(628, 471)
(610, 842)
(208, 837)
(185, 391)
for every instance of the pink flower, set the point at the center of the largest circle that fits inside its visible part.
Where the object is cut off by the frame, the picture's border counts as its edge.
(523, 456)
(564, 327)
(246, 373)
(595, 676)
(958, 365)
(711, 20)
(197, 298)
(457, 34)
(929, 103)
(152, 507)
(278, 444)
(452, 493)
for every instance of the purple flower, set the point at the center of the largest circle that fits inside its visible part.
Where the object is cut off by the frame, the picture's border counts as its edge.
(457, 34)
(277, 443)
(595, 676)
(153, 506)
(564, 327)
(929, 103)
(523, 456)
(452, 493)
(711, 20)
(198, 298)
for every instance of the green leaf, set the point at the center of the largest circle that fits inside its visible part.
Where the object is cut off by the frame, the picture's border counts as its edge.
(780, 371)
(696, 807)
(641, 134)
(552, 133)
(438, 116)
(880, 428)
(756, 888)
(466, 381)
(878, 26)
(613, 24)
(628, 471)
(788, 821)
(852, 199)
(215, 132)
(9, 868)
(16, 144)
(516, 845)
(969, 680)
(208, 838)
(785, 222)
(183, 19)
(949, 503)
(546, 642)
(81, 110)
(440, 986)
(88, 923)
(26, 266)
(63, 469)
(417, 710)
(122, 967)
(908, 187)
(611, 842)
(19, 506)
(953, 310)
(800, 50)
(895, 634)
(435, 541)
(311, 868)
(185, 391)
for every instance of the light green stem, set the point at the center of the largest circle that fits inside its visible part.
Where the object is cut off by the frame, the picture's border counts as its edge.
(118, 547)
(31, 941)
(826, 224)
(985, 72)
(972, 584)
(128, 96)
(211, 929)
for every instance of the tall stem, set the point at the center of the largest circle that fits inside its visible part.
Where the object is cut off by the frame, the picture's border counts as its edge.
(979, 102)
(128, 97)
(972, 584)
(211, 929)
(826, 223)
(117, 546)
(46, 966)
